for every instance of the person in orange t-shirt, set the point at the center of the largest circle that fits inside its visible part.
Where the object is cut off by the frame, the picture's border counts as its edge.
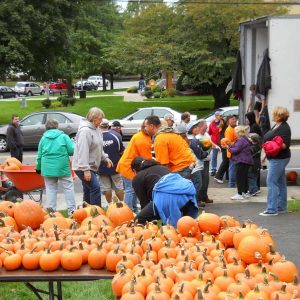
(139, 145)
(230, 134)
(172, 150)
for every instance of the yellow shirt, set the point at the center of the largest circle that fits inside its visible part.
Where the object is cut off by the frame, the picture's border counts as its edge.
(139, 145)
(173, 151)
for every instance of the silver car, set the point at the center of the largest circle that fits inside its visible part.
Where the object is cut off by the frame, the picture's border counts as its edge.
(33, 127)
(29, 88)
(133, 122)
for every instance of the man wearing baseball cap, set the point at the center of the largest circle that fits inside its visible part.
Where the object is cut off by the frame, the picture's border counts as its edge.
(169, 118)
(117, 126)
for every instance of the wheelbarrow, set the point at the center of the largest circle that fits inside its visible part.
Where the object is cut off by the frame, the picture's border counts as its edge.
(25, 181)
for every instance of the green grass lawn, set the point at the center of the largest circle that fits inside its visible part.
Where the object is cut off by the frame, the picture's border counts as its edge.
(99, 289)
(294, 205)
(113, 106)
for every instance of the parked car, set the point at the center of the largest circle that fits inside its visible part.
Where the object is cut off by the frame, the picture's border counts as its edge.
(29, 88)
(33, 127)
(225, 111)
(98, 80)
(132, 123)
(86, 86)
(7, 92)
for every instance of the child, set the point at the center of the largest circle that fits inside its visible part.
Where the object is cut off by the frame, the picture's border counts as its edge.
(254, 170)
(242, 158)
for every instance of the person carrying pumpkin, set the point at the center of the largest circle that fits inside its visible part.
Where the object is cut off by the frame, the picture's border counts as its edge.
(54, 150)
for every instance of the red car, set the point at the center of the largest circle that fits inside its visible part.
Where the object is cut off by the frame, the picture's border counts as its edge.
(59, 87)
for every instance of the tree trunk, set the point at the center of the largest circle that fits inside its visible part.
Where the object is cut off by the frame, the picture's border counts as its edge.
(111, 81)
(70, 87)
(103, 82)
(220, 95)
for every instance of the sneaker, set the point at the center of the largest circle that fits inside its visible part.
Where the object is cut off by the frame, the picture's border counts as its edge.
(254, 193)
(212, 173)
(201, 204)
(258, 192)
(218, 180)
(237, 197)
(267, 213)
(246, 195)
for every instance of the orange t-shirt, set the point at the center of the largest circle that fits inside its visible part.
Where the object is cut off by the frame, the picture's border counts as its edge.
(172, 150)
(139, 145)
(230, 134)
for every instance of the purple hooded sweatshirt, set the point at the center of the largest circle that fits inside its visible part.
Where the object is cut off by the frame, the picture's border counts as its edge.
(241, 151)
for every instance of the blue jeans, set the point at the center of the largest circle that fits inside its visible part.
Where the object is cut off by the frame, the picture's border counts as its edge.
(231, 174)
(130, 196)
(276, 182)
(214, 159)
(51, 184)
(185, 173)
(91, 189)
(252, 181)
(197, 181)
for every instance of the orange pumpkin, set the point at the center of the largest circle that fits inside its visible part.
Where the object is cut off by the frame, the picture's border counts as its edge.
(285, 270)
(205, 143)
(252, 249)
(292, 176)
(13, 160)
(187, 225)
(28, 213)
(224, 142)
(209, 222)
(8, 207)
(119, 213)
(11, 166)
(71, 260)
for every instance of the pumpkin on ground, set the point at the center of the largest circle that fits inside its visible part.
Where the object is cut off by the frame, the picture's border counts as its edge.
(292, 176)
(187, 226)
(28, 213)
(209, 222)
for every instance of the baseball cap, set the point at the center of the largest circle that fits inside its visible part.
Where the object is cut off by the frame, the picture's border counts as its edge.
(190, 126)
(181, 129)
(217, 113)
(104, 123)
(169, 117)
(116, 124)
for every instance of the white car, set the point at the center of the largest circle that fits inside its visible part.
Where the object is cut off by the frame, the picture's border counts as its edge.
(97, 80)
(29, 88)
(225, 111)
(133, 122)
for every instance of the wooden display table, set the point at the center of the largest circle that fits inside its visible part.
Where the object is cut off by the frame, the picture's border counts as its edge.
(26, 276)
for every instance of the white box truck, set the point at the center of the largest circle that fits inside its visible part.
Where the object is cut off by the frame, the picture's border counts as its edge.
(281, 35)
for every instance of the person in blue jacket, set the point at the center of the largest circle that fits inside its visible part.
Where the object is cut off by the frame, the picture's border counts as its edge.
(163, 195)
(53, 163)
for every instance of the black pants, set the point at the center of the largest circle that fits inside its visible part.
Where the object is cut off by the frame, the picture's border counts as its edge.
(205, 181)
(241, 171)
(17, 153)
(223, 168)
(147, 213)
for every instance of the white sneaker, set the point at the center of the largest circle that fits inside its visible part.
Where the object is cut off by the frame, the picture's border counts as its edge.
(246, 195)
(218, 180)
(237, 197)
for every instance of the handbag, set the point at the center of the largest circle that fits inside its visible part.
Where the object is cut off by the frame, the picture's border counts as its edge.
(273, 147)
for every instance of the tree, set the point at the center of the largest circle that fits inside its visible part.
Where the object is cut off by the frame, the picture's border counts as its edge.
(209, 39)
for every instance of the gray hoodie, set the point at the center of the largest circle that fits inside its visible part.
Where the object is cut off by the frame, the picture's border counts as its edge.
(88, 151)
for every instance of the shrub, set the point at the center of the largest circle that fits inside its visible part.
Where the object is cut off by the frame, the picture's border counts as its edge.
(156, 94)
(164, 94)
(59, 98)
(148, 94)
(133, 89)
(72, 101)
(46, 103)
(56, 104)
(157, 89)
(65, 101)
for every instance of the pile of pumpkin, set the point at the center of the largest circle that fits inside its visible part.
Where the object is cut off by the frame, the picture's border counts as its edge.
(11, 163)
(211, 257)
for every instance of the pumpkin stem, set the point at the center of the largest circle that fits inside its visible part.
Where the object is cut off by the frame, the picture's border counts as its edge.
(199, 294)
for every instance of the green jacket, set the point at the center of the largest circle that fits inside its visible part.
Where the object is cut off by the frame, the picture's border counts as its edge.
(54, 150)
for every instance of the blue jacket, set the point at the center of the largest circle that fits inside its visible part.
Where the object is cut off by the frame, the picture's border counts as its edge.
(241, 151)
(113, 147)
(170, 194)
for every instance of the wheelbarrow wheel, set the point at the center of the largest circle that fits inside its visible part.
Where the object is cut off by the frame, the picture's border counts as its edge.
(12, 195)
